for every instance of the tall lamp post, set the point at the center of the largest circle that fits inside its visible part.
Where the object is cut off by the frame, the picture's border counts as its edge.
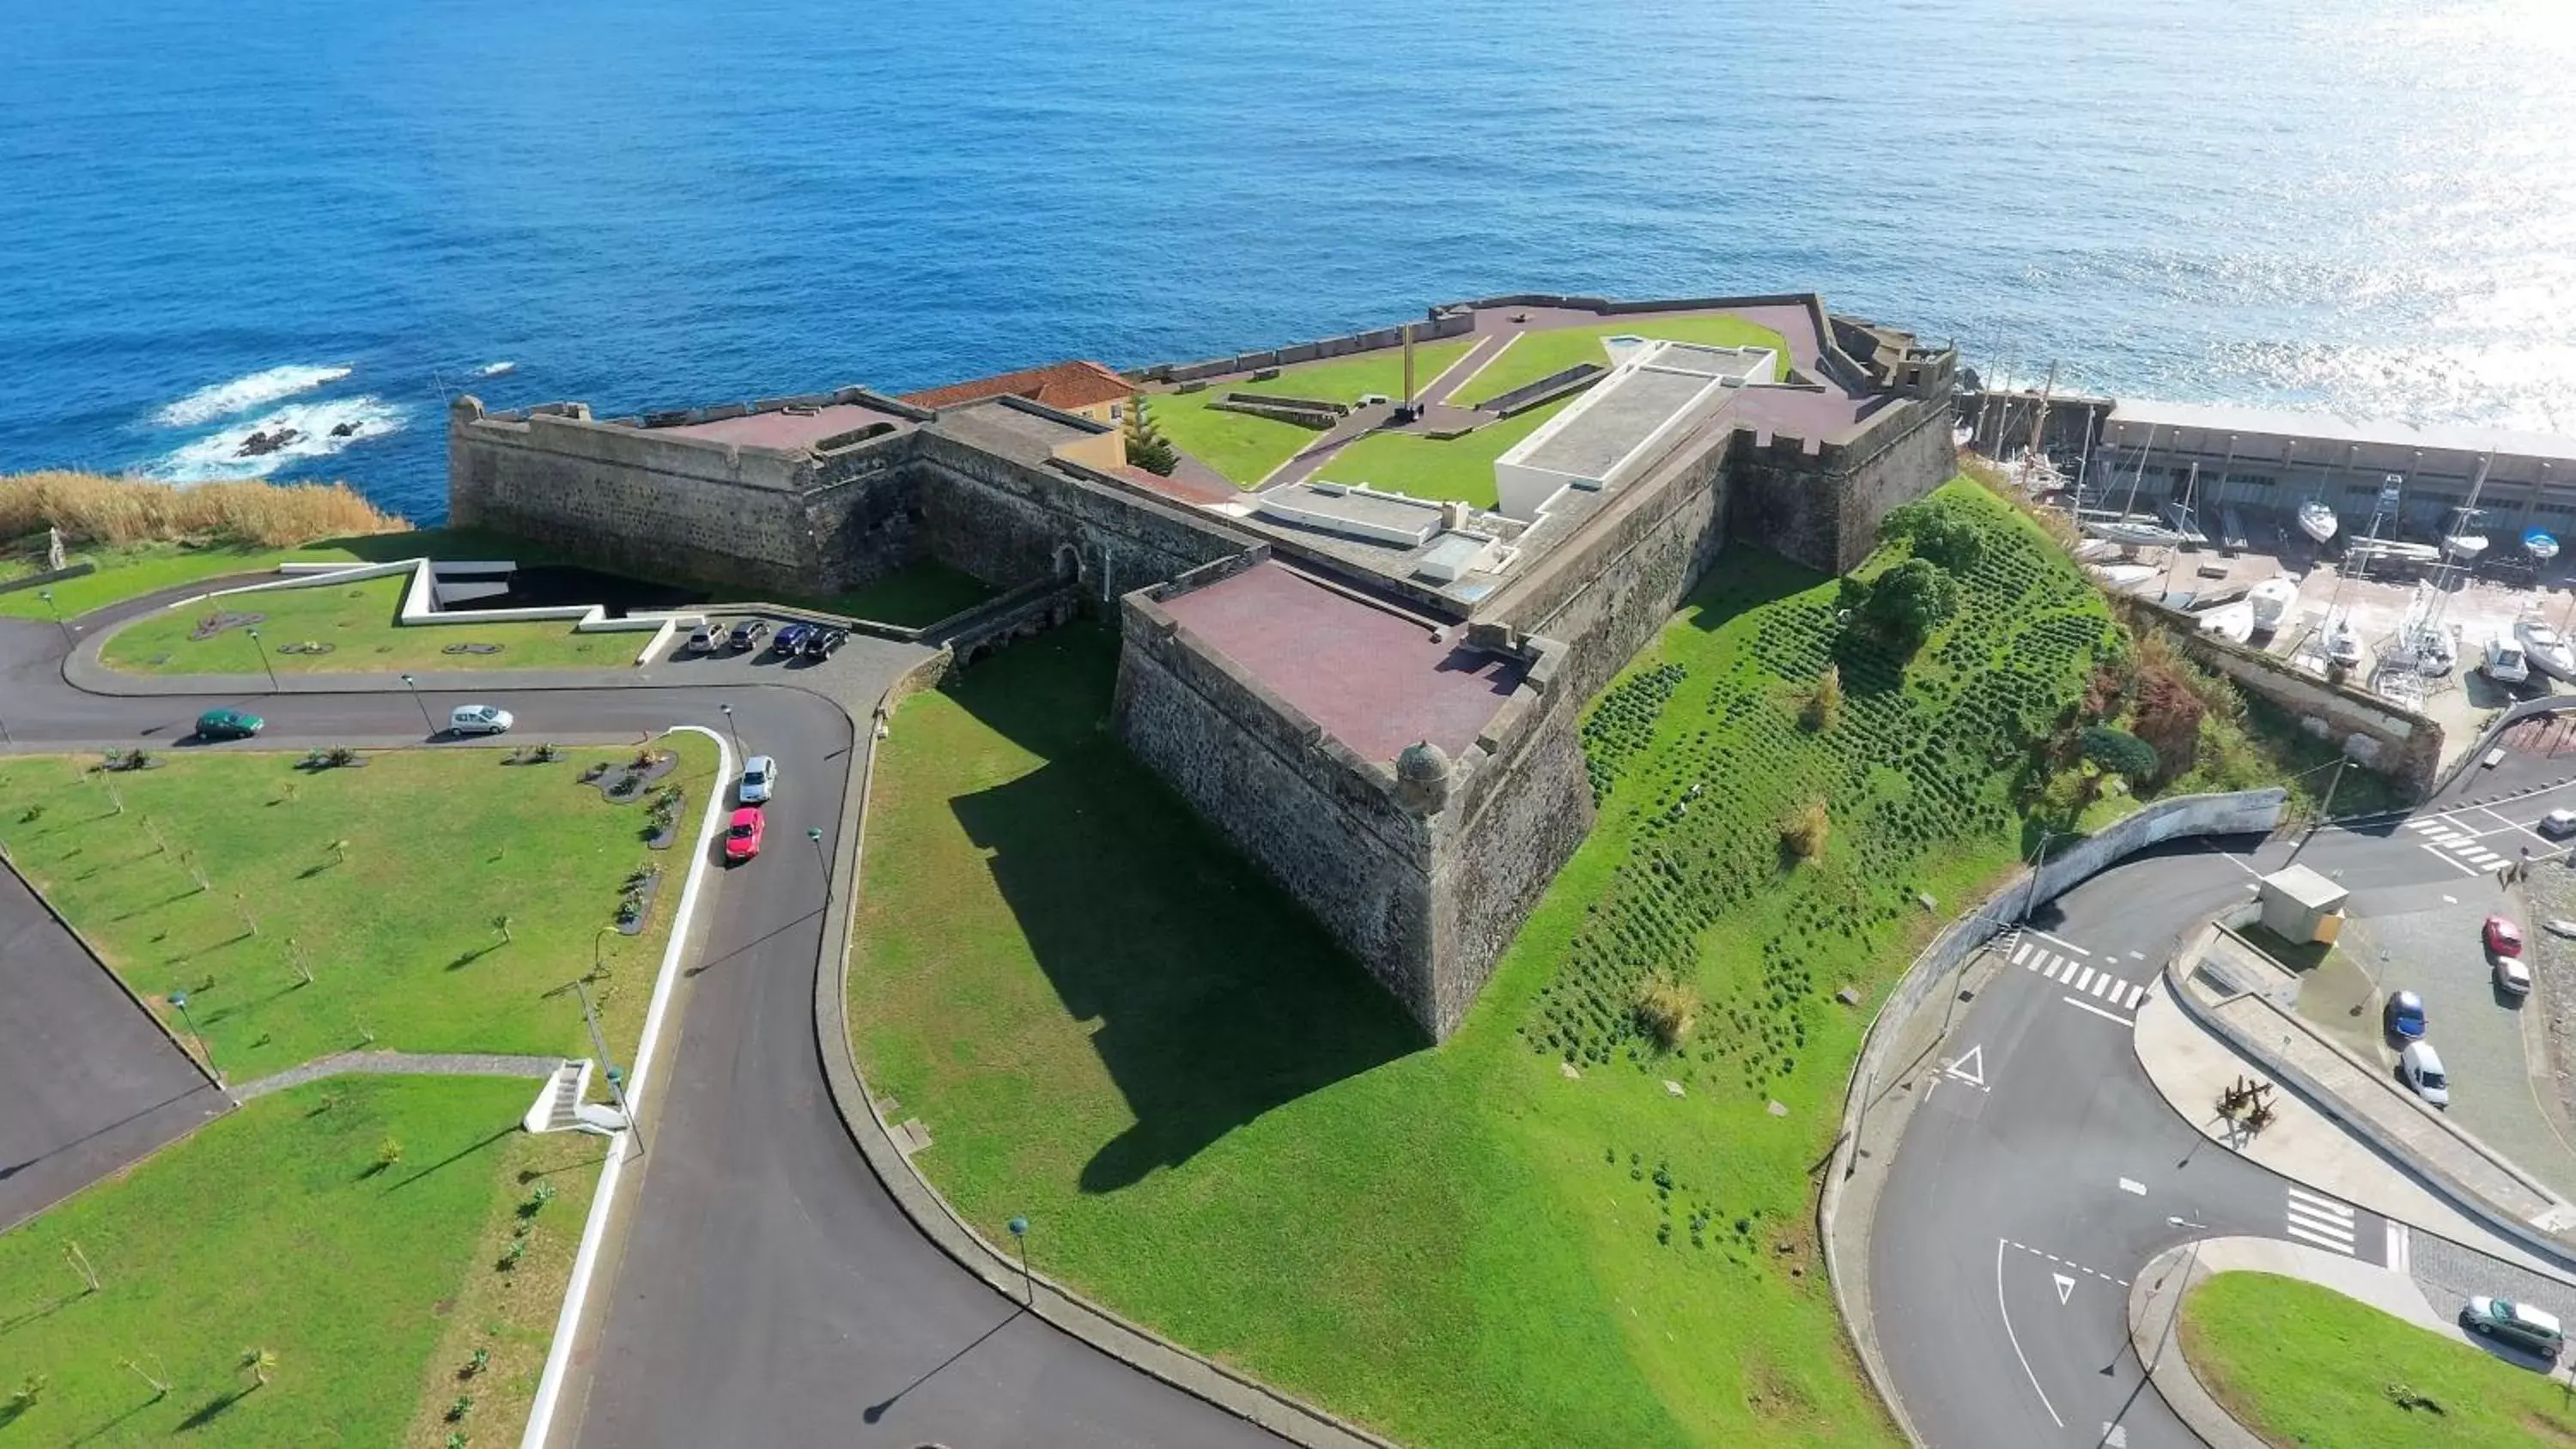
(414, 686)
(263, 659)
(1020, 1235)
(815, 834)
(56, 610)
(179, 999)
(731, 730)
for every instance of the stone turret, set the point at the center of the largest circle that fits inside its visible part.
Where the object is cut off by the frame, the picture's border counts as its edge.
(1422, 777)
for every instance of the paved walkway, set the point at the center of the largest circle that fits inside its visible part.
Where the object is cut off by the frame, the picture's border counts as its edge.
(403, 1064)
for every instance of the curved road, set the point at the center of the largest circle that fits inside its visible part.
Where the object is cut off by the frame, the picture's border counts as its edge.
(766, 1289)
(2043, 1169)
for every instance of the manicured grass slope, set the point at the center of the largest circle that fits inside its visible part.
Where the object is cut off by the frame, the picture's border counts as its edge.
(1459, 468)
(397, 929)
(269, 1230)
(2305, 1365)
(1348, 379)
(1112, 1025)
(358, 621)
(127, 571)
(1538, 354)
(1246, 448)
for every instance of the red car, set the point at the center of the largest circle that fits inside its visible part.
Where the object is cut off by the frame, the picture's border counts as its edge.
(2504, 938)
(742, 837)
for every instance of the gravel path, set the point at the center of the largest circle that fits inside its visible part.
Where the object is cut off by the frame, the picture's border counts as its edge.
(400, 1064)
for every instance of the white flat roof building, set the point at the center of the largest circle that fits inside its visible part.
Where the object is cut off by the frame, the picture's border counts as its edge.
(1654, 390)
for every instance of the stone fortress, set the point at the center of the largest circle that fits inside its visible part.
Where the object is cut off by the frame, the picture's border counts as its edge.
(1374, 696)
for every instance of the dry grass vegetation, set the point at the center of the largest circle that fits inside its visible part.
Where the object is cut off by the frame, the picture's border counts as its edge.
(94, 508)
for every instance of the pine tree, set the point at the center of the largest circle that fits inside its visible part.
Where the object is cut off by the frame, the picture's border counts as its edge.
(1147, 448)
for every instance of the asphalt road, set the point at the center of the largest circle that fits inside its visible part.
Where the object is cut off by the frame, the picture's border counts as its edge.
(768, 1290)
(2021, 1203)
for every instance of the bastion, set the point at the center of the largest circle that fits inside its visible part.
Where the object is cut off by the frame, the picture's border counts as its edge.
(1373, 695)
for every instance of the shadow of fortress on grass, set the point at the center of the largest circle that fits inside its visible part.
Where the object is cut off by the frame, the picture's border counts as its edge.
(1216, 997)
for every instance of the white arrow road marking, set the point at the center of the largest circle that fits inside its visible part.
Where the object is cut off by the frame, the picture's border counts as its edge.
(2065, 1287)
(2115, 1436)
(2131, 1184)
(1971, 1068)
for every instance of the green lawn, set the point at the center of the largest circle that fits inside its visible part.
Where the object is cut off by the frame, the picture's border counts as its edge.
(1112, 1025)
(1348, 379)
(1245, 448)
(396, 927)
(128, 571)
(2304, 1365)
(1460, 468)
(358, 621)
(919, 595)
(269, 1230)
(1538, 354)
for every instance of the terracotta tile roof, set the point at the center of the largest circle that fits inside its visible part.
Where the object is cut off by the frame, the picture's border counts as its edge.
(1064, 385)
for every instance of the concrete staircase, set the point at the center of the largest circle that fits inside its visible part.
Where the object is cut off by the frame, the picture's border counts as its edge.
(559, 1106)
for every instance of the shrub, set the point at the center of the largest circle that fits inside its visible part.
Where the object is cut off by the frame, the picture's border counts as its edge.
(1939, 531)
(1667, 1010)
(2168, 721)
(1804, 832)
(1824, 700)
(90, 508)
(388, 1152)
(1909, 601)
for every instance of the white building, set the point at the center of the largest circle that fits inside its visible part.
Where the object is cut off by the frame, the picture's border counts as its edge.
(1655, 390)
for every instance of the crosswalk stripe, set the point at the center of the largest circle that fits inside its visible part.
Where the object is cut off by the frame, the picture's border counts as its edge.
(2059, 967)
(2320, 1239)
(2083, 977)
(2429, 822)
(2300, 1195)
(2020, 952)
(2137, 995)
(2324, 1222)
(2102, 987)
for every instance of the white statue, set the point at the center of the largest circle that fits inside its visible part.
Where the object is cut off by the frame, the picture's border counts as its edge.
(53, 548)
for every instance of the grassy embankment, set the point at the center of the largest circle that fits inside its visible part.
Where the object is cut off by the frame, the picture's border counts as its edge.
(233, 875)
(361, 624)
(920, 594)
(1115, 1026)
(2305, 1365)
(1245, 449)
(145, 536)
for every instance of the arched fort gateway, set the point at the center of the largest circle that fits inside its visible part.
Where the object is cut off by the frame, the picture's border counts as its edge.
(1372, 695)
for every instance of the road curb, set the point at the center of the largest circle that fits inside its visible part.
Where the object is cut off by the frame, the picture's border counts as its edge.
(930, 1212)
(2155, 1312)
(603, 1200)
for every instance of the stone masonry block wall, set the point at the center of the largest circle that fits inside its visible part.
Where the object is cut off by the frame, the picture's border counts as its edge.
(1821, 505)
(627, 500)
(1323, 824)
(1436, 326)
(1008, 523)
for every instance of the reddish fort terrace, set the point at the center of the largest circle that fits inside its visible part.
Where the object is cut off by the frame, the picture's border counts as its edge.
(1363, 604)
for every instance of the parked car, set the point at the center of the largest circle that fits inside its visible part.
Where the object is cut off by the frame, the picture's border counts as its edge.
(2505, 663)
(789, 639)
(742, 836)
(704, 638)
(821, 643)
(2405, 1016)
(228, 724)
(2420, 1067)
(478, 719)
(747, 634)
(2558, 824)
(2512, 976)
(759, 778)
(2532, 1329)
(2503, 937)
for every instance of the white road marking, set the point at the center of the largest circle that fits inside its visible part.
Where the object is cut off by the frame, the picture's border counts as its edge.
(2069, 1264)
(2065, 1287)
(2108, 983)
(2137, 998)
(2401, 1253)
(2083, 978)
(2450, 900)
(2058, 964)
(1971, 1068)
(2426, 822)
(2082, 1005)
(2137, 955)
(2115, 1436)
(2016, 1338)
(2019, 952)
(2517, 825)
(2319, 1220)
(2061, 942)
(2463, 867)
(2132, 1185)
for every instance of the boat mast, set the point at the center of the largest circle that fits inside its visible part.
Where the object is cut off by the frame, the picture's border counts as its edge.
(2039, 416)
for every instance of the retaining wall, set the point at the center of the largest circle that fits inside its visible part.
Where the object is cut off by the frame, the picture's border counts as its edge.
(1820, 504)
(1435, 326)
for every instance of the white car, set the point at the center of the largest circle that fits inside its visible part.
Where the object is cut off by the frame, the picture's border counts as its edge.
(759, 778)
(2512, 977)
(478, 719)
(2421, 1068)
(2558, 823)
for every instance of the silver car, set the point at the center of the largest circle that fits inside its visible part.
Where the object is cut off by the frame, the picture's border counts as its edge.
(2421, 1068)
(759, 778)
(478, 719)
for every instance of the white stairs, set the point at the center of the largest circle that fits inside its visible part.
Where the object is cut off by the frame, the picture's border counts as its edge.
(559, 1106)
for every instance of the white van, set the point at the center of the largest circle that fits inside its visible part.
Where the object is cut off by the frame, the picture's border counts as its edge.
(2421, 1067)
(478, 719)
(2505, 663)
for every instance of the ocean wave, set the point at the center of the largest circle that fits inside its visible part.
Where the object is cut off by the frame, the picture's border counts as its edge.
(244, 393)
(497, 369)
(308, 430)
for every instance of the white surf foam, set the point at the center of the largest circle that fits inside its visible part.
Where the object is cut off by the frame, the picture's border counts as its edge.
(244, 393)
(496, 369)
(217, 456)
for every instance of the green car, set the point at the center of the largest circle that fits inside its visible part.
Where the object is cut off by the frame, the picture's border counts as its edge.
(228, 724)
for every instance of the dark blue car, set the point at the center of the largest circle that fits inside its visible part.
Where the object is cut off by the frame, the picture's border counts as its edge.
(790, 639)
(2406, 1016)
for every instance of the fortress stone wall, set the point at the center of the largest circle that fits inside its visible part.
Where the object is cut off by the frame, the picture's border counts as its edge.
(1423, 873)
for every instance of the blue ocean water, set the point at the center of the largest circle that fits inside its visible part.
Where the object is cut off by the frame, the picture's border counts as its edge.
(221, 217)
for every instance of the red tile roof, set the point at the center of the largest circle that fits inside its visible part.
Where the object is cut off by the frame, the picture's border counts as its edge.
(1064, 385)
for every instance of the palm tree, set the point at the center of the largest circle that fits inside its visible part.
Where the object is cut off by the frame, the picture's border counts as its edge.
(260, 1361)
(502, 925)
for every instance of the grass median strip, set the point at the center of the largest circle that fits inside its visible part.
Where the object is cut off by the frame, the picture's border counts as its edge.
(2302, 1364)
(346, 628)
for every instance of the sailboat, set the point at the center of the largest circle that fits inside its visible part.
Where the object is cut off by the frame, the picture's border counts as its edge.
(2342, 641)
(2317, 521)
(2545, 648)
(2541, 546)
(2464, 540)
(2272, 599)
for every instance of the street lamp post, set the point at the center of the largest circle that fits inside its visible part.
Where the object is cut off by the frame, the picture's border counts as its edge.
(731, 730)
(56, 610)
(179, 999)
(1020, 1234)
(263, 659)
(595, 940)
(414, 686)
(2325, 812)
(815, 834)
